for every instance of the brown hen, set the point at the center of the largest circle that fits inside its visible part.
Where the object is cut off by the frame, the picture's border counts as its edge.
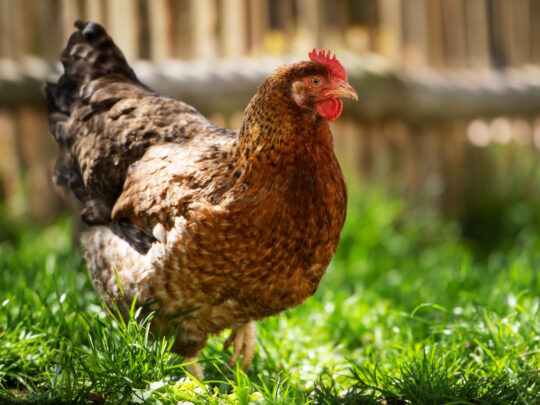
(235, 226)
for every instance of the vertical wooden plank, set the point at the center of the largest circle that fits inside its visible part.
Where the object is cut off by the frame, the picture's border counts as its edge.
(286, 15)
(38, 152)
(355, 24)
(144, 28)
(310, 19)
(519, 32)
(382, 159)
(96, 10)
(348, 135)
(433, 186)
(10, 176)
(40, 34)
(452, 153)
(454, 33)
(373, 156)
(15, 24)
(397, 142)
(51, 29)
(3, 40)
(401, 153)
(234, 28)
(162, 31)
(258, 24)
(328, 31)
(204, 17)
(365, 158)
(372, 23)
(435, 35)
(123, 26)
(182, 28)
(92, 11)
(283, 35)
(343, 22)
(6, 42)
(414, 178)
(415, 45)
(70, 13)
(30, 32)
(20, 35)
(168, 22)
(500, 31)
(391, 29)
(534, 35)
(477, 29)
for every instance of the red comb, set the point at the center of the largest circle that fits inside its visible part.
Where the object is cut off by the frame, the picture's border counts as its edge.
(331, 64)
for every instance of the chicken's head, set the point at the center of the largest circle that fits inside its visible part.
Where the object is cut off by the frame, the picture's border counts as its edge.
(320, 84)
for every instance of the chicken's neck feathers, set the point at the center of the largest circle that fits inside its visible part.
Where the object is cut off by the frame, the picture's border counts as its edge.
(275, 138)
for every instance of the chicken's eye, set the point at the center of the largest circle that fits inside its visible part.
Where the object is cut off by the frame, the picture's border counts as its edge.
(315, 81)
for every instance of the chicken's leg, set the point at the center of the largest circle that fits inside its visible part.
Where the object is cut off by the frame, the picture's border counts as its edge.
(192, 357)
(243, 341)
(195, 368)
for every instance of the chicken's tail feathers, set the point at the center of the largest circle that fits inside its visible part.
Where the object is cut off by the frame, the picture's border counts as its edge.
(89, 56)
(90, 53)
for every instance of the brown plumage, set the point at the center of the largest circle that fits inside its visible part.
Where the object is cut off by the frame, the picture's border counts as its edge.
(237, 226)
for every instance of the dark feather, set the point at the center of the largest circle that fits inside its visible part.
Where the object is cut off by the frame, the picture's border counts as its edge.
(141, 240)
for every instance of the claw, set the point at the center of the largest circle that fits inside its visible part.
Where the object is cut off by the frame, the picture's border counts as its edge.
(243, 341)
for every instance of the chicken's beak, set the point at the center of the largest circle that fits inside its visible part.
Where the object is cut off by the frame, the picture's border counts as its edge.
(343, 90)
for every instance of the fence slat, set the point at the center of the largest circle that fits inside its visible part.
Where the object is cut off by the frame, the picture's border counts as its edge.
(96, 10)
(476, 25)
(181, 28)
(159, 24)
(436, 55)
(534, 18)
(519, 35)
(10, 176)
(70, 13)
(309, 18)
(391, 29)
(415, 32)
(500, 32)
(234, 29)
(204, 17)
(257, 25)
(454, 33)
(38, 152)
(5, 35)
(123, 26)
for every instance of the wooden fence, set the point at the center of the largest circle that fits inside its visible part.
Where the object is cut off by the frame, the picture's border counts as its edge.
(438, 33)
(436, 78)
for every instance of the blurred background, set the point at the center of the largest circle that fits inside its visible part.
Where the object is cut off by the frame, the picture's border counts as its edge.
(449, 111)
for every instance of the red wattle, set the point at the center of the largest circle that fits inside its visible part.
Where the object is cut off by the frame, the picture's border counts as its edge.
(331, 109)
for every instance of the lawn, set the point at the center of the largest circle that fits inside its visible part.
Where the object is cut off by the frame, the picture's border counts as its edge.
(407, 313)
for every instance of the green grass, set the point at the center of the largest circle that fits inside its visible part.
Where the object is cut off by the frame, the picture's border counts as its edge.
(407, 313)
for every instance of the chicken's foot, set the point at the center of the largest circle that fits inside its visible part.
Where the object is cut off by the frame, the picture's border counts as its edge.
(243, 341)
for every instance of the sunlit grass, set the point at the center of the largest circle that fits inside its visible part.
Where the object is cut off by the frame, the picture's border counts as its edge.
(406, 314)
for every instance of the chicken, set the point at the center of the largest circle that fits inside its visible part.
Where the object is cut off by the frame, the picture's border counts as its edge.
(190, 218)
